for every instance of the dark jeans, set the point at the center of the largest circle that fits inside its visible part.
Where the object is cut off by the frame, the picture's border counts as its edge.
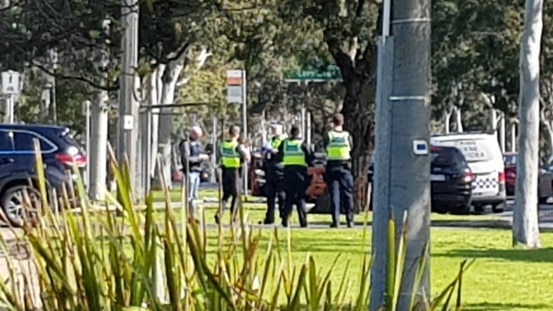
(295, 185)
(275, 191)
(340, 186)
(231, 182)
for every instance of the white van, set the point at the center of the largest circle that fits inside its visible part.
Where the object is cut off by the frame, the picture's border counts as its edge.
(485, 159)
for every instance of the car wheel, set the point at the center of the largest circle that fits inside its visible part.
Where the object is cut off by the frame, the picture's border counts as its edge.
(20, 203)
(460, 210)
(439, 208)
(478, 208)
(498, 208)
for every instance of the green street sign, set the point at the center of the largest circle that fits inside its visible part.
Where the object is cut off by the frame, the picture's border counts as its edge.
(314, 74)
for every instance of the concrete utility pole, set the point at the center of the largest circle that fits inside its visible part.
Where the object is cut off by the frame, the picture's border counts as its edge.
(405, 158)
(128, 104)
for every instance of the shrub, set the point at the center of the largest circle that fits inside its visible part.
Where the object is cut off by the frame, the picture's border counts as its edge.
(131, 262)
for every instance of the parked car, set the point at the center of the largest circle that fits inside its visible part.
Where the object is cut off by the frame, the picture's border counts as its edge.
(510, 160)
(545, 184)
(484, 157)
(18, 166)
(450, 180)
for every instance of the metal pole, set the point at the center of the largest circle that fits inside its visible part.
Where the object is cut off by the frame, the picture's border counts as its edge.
(245, 124)
(128, 106)
(410, 135)
(213, 178)
(502, 132)
(10, 110)
(308, 130)
(87, 140)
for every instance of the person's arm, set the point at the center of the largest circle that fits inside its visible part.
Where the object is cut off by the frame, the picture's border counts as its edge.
(308, 154)
(244, 153)
(326, 141)
(350, 140)
(193, 159)
(280, 153)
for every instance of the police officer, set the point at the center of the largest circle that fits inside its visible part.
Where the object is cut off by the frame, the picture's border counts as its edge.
(274, 175)
(296, 157)
(192, 155)
(233, 154)
(338, 144)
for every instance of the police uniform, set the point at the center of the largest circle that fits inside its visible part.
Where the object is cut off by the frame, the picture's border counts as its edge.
(338, 175)
(296, 158)
(274, 176)
(231, 164)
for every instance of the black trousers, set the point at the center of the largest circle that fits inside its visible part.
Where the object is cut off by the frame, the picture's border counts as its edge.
(295, 185)
(274, 186)
(339, 181)
(231, 181)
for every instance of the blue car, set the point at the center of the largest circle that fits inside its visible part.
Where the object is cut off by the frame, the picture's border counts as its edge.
(18, 175)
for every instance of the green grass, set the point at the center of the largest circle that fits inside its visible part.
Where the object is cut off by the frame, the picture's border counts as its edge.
(256, 212)
(502, 278)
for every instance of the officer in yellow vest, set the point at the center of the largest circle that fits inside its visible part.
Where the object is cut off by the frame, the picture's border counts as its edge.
(232, 154)
(338, 144)
(274, 175)
(296, 157)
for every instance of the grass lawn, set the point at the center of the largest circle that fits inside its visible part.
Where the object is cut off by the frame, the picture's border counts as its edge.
(502, 278)
(256, 212)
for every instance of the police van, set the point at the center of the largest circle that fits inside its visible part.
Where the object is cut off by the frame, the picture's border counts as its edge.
(485, 160)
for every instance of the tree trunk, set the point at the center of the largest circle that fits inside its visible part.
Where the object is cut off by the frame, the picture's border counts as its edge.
(155, 87)
(99, 139)
(525, 217)
(165, 125)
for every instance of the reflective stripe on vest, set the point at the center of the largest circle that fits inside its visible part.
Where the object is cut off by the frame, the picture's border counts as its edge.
(293, 154)
(230, 157)
(338, 146)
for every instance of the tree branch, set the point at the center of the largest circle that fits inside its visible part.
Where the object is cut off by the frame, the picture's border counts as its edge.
(180, 54)
(80, 77)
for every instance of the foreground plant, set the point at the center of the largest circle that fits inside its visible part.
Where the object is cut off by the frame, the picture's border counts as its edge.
(106, 262)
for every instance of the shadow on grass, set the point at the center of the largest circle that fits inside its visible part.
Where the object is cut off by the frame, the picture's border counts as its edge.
(461, 223)
(504, 306)
(525, 255)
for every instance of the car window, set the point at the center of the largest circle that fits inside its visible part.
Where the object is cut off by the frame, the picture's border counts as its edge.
(6, 143)
(510, 160)
(70, 141)
(443, 157)
(24, 141)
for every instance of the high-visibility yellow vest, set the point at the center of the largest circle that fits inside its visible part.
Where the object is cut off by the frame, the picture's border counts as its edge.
(293, 153)
(338, 146)
(276, 141)
(230, 157)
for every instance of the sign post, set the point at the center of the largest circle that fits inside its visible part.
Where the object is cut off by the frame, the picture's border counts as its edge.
(317, 74)
(10, 87)
(237, 94)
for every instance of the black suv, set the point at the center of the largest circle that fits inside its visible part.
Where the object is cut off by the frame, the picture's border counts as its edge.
(450, 179)
(17, 164)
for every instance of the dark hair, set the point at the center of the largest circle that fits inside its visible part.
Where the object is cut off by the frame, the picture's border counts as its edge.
(295, 130)
(234, 130)
(338, 119)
